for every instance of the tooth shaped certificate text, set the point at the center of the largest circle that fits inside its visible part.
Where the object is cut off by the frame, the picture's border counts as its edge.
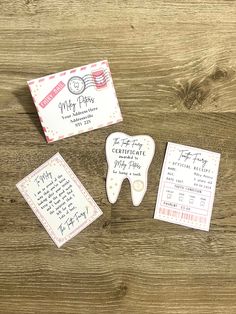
(128, 157)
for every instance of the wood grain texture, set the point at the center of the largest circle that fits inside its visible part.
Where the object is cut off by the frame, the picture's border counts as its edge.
(174, 70)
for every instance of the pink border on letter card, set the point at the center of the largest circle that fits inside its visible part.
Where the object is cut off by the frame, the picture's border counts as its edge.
(60, 162)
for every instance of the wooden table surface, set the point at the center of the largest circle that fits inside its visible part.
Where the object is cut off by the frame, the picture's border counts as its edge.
(174, 68)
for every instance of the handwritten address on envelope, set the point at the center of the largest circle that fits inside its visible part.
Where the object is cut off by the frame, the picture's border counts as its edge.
(59, 200)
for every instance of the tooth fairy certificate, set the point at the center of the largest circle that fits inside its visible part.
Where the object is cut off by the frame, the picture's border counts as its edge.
(128, 157)
(76, 101)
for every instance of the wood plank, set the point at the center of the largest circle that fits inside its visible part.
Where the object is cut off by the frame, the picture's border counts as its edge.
(173, 66)
(173, 57)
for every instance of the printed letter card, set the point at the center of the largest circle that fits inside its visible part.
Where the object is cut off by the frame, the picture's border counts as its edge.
(75, 101)
(187, 186)
(59, 200)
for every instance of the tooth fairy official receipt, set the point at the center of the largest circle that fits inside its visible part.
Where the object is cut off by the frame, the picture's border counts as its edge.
(187, 186)
(75, 101)
(59, 200)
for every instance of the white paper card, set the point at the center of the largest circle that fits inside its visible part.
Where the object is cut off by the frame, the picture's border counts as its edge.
(59, 200)
(128, 157)
(76, 101)
(187, 186)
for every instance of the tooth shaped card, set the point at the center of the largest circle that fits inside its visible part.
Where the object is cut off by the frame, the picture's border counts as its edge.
(128, 157)
(59, 199)
(75, 101)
